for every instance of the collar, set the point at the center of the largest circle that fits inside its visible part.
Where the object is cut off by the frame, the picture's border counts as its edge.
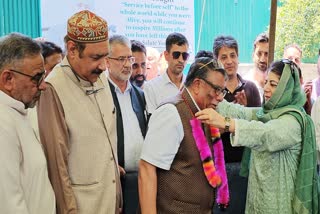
(242, 82)
(189, 100)
(117, 89)
(167, 80)
(67, 68)
(86, 86)
(5, 99)
(192, 99)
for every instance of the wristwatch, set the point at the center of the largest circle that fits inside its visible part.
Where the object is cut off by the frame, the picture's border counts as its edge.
(227, 125)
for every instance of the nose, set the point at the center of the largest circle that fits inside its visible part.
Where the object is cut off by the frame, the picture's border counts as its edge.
(264, 58)
(127, 63)
(42, 86)
(266, 87)
(103, 64)
(139, 70)
(220, 97)
(228, 60)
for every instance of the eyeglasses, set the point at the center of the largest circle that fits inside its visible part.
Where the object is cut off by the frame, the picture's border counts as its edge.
(176, 55)
(123, 59)
(37, 78)
(217, 89)
(137, 65)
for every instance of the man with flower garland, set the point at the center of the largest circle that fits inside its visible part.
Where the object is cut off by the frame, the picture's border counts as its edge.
(180, 165)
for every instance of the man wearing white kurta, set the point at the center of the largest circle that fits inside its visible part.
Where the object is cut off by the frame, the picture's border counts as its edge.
(24, 184)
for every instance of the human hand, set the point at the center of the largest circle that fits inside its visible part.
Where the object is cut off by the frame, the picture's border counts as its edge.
(307, 87)
(122, 171)
(241, 98)
(211, 117)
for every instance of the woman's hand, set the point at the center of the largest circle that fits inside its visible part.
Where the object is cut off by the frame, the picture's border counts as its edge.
(211, 117)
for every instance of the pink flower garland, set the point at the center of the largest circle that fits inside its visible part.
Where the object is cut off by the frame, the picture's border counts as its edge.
(216, 176)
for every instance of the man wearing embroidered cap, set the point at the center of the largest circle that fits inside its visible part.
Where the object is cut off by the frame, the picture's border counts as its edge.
(80, 140)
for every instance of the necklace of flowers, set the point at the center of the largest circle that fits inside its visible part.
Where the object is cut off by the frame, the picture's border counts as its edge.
(215, 174)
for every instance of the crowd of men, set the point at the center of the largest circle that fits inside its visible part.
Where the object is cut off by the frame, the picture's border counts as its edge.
(90, 144)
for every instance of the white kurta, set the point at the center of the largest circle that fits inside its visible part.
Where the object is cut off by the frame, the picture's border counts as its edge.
(24, 183)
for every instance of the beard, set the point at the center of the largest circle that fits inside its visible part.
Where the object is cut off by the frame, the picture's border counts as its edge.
(137, 81)
(262, 66)
(33, 102)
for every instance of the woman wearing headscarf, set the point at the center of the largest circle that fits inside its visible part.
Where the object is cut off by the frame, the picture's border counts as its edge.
(282, 175)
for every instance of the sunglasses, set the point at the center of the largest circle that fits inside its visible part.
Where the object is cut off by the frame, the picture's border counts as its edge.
(137, 65)
(217, 89)
(37, 78)
(176, 55)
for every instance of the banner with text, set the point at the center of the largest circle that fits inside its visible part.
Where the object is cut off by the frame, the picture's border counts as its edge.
(149, 21)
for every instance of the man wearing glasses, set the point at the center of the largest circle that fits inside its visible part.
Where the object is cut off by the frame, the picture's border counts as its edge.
(139, 67)
(77, 122)
(171, 175)
(169, 83)
(131, 117)
(25, 186)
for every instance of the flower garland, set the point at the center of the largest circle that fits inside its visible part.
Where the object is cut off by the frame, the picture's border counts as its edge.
(216, 175)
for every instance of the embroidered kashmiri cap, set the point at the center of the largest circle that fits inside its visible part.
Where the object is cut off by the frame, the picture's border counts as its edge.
(86, 26)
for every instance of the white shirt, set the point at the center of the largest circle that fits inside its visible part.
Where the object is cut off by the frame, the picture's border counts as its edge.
(133, 138)
(165, 133)
(250, 76)
(24, 183)
(159, 89)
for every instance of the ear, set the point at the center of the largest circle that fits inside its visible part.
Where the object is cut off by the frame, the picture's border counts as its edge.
(166, 55)
(7, 80)
(196, 86)
(71, 47)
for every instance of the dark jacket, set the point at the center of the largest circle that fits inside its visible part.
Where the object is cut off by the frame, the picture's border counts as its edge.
(129, 182)
(234, 154)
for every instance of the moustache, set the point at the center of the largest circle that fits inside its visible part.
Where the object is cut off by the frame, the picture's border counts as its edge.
(138, 76)
(137, 81)
(97, 71)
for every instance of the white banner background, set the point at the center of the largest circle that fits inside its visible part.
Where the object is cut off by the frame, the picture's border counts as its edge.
(149, 21)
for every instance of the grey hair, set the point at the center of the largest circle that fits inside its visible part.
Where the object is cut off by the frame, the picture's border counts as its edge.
(118, 39)
(15, 47)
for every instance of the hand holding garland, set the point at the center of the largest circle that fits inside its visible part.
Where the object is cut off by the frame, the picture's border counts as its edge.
(211, 117)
